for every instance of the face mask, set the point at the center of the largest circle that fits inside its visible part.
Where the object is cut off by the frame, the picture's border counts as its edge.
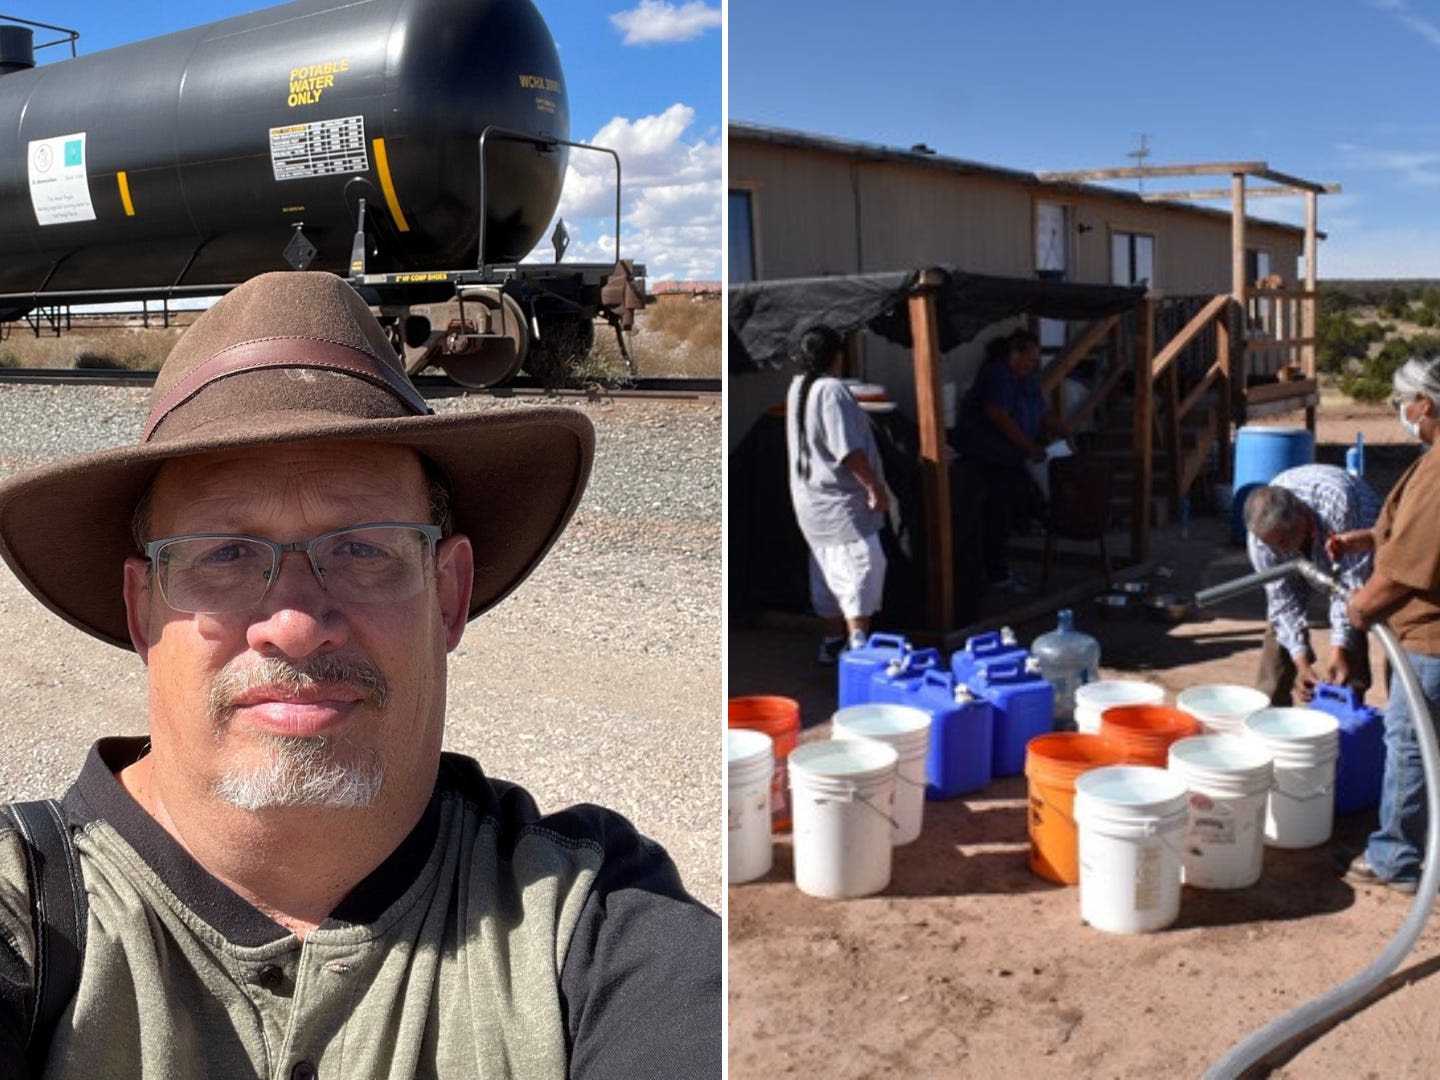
(1412, 427)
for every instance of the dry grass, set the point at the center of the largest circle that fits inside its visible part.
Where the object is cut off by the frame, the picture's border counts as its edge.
(122, 347)
(671, 337)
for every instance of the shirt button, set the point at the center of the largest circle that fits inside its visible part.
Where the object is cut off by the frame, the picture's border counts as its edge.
(304, 1070)
(271, 976)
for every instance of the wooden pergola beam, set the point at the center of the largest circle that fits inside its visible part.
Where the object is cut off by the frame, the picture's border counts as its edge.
(1215, 193)
(1224, 193)
(1140, 172)
(1258, 169)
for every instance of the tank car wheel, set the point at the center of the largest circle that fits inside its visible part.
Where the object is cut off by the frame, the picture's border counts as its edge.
(495, 357)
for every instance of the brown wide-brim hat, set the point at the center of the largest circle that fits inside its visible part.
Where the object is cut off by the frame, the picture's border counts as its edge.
(292, 357)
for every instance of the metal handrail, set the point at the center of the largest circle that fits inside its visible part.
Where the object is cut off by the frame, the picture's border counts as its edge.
(71, 36)
(543, 142)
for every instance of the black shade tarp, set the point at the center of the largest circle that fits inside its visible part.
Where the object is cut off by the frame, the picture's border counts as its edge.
(766, 317)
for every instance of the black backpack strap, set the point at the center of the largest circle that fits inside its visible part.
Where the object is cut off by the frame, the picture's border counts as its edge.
(59, 908)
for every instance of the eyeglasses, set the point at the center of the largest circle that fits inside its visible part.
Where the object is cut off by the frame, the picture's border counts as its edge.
(382, 562)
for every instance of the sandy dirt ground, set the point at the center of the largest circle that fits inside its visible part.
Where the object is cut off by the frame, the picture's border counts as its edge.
(970, 966)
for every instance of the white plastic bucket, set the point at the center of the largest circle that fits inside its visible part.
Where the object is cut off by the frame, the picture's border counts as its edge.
(749, 765)
(1304, 744)
(1092, 699)
(1221, 707)
(1228, 779)
(844, 797)
(908, 731)
(1131, 819)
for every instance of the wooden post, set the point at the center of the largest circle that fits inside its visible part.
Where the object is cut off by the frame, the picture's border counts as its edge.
(1240, 362)
(1308, 306)
(934, 477)
(1226, 398)
(1237, 237)
(1174, 447)
(1144, 436)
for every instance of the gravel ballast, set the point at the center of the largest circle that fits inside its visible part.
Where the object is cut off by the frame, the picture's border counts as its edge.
(598, 680)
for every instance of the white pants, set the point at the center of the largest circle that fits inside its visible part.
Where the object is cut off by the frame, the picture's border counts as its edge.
(848, 580)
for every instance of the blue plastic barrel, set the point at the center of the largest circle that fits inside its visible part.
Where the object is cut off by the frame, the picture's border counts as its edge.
(1261, 454)
(1024, 705)
(856, 666)
(961, 736)
(983, 651)
(1362, 747)
(890, 684)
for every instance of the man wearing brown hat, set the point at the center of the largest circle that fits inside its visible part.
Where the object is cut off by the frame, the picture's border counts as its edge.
(287, 878)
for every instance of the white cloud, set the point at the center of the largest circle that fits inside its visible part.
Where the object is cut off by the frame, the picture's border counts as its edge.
(671, 181)
(1417, 168)
(1417, 23)
(657, 22)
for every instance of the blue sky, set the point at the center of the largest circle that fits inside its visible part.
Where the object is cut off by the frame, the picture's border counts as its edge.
(643, 76)
(1335, 91)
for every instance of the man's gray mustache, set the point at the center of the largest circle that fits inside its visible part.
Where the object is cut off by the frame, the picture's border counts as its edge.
(296, 677)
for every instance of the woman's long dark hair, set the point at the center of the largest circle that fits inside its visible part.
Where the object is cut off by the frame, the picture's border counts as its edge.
(818, 347)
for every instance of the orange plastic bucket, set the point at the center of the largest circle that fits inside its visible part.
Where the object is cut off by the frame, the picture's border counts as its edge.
(778, 717)
(1143, 733)
(1052, 765)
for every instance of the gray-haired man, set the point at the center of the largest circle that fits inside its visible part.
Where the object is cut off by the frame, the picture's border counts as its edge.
(1291, 517)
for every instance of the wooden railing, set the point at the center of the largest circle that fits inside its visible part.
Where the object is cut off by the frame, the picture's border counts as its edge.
(1198, 363)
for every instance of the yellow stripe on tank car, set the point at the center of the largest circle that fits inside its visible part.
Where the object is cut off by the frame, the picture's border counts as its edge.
(382, 166)
(124, 182)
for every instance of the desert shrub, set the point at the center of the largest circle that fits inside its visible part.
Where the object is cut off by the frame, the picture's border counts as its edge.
(1397, 304)
(1365, 387)
(1342, 338)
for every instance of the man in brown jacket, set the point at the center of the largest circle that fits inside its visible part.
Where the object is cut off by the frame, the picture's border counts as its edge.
(1405, 591)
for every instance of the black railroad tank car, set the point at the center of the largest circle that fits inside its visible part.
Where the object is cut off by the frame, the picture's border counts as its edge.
(192, 157)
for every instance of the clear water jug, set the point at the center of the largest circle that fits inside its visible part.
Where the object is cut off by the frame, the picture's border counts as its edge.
(1068, 660)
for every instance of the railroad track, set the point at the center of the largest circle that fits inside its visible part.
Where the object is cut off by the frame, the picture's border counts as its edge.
(659, 389)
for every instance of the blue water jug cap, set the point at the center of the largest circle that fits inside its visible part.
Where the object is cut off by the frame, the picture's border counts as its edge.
(1066, 619)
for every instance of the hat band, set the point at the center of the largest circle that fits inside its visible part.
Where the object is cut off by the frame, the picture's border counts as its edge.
(290, 352)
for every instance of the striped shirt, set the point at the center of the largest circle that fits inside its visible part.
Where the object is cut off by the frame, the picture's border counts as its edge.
(1338, 502)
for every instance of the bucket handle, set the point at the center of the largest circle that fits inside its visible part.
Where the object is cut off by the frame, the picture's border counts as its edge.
(1069, 819)
(852, 796)
(1300, 794)
(901, 778)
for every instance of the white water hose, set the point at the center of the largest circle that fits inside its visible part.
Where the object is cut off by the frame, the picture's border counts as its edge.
(1315, 1013)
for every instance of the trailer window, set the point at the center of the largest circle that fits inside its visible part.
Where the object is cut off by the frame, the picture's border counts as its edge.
(742, 237)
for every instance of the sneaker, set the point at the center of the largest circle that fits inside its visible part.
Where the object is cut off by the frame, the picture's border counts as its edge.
(1360, 872)
(857, 640)
(830, 650)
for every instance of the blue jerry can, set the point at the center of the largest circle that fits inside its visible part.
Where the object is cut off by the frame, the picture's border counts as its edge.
(906, 669)
(961, 734)
(1024, 705)
(856, 666)
(1362, 747)
(984, 651)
